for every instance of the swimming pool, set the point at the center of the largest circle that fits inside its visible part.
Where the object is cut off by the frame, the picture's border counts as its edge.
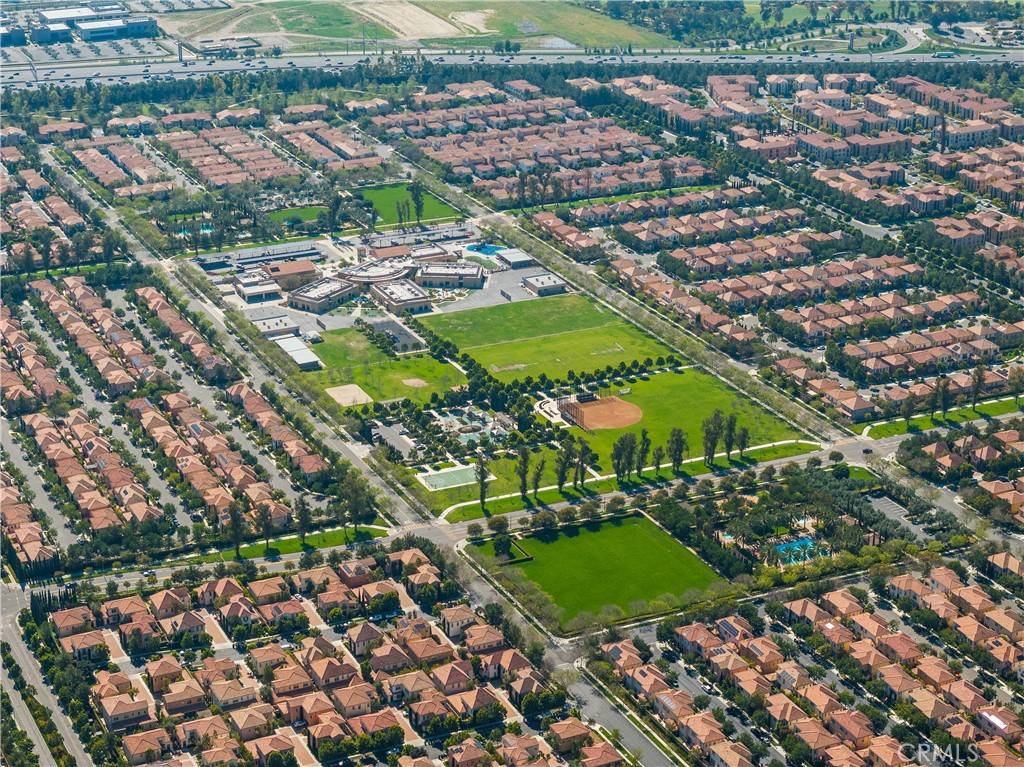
(485, 248)
(799, 550)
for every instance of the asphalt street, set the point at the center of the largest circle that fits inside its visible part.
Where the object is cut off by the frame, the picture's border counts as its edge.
(24, 76)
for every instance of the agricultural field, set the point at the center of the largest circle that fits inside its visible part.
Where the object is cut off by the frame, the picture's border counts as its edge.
(625, 564)
(384, 199)
(537, 25)
(350, 359)
(683, 399)
(550, 336)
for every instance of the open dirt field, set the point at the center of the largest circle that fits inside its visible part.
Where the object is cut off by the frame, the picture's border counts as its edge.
(406, 20)
(415, 383)
(609, 413)
(348, 395)
(474, 21)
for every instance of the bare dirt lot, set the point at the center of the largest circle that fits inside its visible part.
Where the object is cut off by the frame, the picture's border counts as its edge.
(407, 21)
(609, 413)
(348, 395)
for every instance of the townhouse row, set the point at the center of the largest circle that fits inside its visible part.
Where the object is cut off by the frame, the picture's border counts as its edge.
(118, 356)
(845, 276)
(27, 380)
(91, 471)
(724, 224)
(848, 318)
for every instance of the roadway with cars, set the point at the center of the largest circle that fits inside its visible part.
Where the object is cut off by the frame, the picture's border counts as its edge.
(78, 74)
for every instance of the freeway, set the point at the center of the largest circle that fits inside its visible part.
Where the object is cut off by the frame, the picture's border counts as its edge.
(78, 74)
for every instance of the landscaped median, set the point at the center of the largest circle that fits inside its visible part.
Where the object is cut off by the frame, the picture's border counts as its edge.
(952, 419)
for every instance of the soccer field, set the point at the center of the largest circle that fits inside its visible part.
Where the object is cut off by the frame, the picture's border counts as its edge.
(350, 358)
(548, 335)
(625, 564)
(684, 399)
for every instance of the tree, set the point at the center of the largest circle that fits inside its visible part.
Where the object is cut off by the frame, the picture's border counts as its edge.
(265, 523)
(742, 440)
(624, 451)
(481, 477)
(1015, 378)
(416, 195)
(658, 457)
(642, 451)
(668, 173)
(502, 545)
(523, 469)
(678, 444)
(712, 429)
(907, 409)
(729, 435)
(942, 388)
(42, 239)
(584, 455)
(236, 527)
(565, 458)
(977, 384)
(303, 518)
(538, 474)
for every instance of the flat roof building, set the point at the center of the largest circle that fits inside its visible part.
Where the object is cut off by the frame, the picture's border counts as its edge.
(113, 29)
(544, 284)
(254, 286)
(301, 354)
(515, 258)
(276, 326)
(80, 14)
(402, 296)
(463, 274)
(323, 295)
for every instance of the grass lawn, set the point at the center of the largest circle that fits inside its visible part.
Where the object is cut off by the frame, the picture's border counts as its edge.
(349, 357)
(624, 563)
(305, 213)
(290, 545)
(953, 418)
(505, 478)
(518, 20)
(322, 19)
(549, 335)
(505, 481)
(684, 399)
(795, 12)
(385, 197)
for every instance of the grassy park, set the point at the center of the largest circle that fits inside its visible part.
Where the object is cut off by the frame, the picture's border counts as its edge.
(384, 199)
(350, 358)
(550, 336)
(683, 400)
(626, 564)
(303, 214)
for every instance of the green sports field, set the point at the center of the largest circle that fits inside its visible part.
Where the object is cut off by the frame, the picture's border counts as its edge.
(384, 199)
(547, 335)
(350, 358)
(684, 399)
(625, 564)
